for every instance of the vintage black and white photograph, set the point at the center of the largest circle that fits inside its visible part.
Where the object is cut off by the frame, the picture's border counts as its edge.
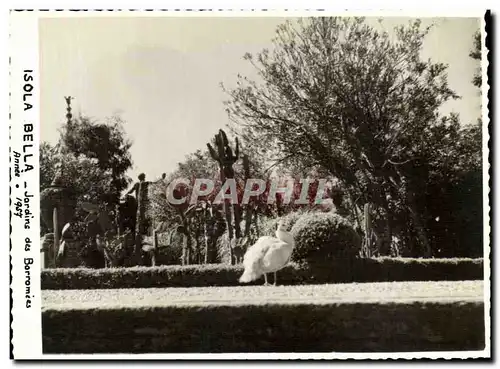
(253, 183)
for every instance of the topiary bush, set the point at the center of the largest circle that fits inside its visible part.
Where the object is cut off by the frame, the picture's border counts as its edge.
(320, 237)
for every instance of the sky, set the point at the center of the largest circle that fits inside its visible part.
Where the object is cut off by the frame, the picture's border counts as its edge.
(162, 75)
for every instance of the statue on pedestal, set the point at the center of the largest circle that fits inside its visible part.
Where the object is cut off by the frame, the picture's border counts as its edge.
(141, 189)
(57, 207)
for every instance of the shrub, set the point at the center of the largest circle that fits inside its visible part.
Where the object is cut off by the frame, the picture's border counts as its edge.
(169, 248)
(334, 271)
(324, 236)
(159, 325)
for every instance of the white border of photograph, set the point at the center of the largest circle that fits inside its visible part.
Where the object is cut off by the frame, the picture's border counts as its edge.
(23, 51)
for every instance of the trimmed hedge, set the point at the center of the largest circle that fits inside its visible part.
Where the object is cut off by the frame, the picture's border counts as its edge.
(336, 271)
(340, 327)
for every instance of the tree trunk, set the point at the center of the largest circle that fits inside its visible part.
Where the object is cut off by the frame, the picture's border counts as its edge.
(235, 243)
(385, 245)
(198, 253)
(205, 235)
(56, 238)
(141, 220)
(237, 220)
(227, 212)
(248, 212)
(155, 248)
(419, 228)
(119, 229)
(354, 207)
(211, 251)
(206, 251)
(117, 221)
(188, 249)
(367, 244)
(184, 250)
(248, 220)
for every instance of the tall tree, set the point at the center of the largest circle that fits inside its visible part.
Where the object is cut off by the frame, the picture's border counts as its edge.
(48, 164)
(476, 55)
(106, 142)
(338, 93)
(92, 158)
(87, 180)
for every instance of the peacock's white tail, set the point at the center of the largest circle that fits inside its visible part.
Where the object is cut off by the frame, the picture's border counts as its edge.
(252, 268)
(252, 261)
(249, 275)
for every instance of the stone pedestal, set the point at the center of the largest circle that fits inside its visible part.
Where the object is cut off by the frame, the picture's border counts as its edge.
(57, 196)
(71, 259)
(56, 199)
(142, 221)
(47, 250)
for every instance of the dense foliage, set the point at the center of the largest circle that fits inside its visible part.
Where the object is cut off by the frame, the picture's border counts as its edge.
(476, 55)
(91, 159)
(339, 94)
(335, 100)
(81, 173)
(322, 237)
(107, 143)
